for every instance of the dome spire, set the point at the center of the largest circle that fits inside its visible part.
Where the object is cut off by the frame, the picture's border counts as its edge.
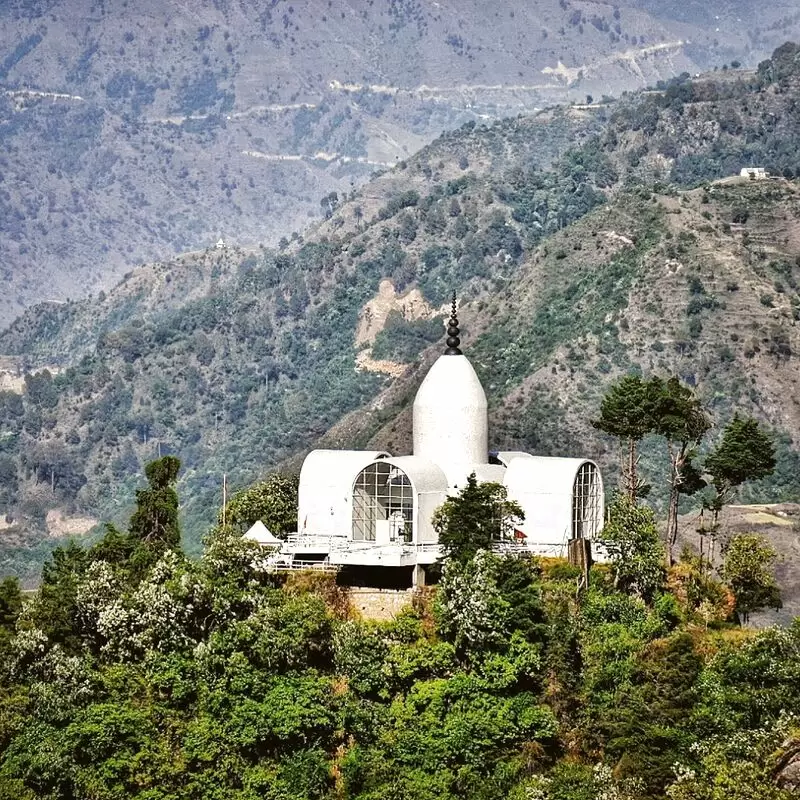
(453, 332)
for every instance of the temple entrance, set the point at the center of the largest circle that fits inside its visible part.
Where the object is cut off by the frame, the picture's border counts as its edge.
(587, 510)
(383, 505)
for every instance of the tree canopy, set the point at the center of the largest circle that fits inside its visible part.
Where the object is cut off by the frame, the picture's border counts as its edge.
(273, 501)
(745, 453)
(747, 568)
(478, 515)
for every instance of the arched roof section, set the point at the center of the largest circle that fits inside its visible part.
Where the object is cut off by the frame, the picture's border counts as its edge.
(545, 475)
(326, 486)
(489, 473)
(546, 490)
(505, 457)
(321, 466)
(425, 476)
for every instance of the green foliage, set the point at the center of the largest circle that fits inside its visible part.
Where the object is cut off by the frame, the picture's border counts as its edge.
(273, 501)
(634, 407)
(626, 412)
(745, 453)
(747, 570)
(155, 521)
(486, 602)
(399, 202)
(403, 340)
(738, 768)
(213, 678)
(10, 608)
(54, 610)
(632, 542)
(475, 518)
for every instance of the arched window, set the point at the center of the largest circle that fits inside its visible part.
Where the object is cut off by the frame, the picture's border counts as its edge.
(587, 513)
(383, 505)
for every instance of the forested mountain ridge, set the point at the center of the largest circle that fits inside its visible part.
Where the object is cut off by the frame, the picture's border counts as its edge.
(133, 132)
(574, 265)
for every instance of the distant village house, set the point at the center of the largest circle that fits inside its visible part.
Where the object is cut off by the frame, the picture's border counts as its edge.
(754, 173)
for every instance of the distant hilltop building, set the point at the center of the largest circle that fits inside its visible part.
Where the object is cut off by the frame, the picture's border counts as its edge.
(371, 509)
(754, 173)
(220, 245)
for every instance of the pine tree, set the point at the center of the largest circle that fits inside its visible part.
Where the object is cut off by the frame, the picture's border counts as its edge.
(627, 413)
(681, 420)
(155, 521)
(745, 453)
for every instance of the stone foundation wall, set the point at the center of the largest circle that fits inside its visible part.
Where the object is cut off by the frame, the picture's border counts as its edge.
(380, 604)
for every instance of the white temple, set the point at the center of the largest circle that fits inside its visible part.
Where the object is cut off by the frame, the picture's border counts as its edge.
(369, 508)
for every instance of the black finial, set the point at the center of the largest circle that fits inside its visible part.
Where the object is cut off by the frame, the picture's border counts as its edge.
(452, 333)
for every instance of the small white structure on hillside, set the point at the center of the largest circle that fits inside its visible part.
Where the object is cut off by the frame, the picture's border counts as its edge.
(754, 173)
(369, 509)
(262, 535)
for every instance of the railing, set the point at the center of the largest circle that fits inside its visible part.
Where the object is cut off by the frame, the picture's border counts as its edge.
(298, 564)
(333, 544)
(309, 541)
(322, 544)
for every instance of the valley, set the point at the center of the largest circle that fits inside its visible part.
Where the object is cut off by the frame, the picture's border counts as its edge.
(234, 233)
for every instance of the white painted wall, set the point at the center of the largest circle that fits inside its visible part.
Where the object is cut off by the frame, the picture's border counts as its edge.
(325, 501)
(543, 487)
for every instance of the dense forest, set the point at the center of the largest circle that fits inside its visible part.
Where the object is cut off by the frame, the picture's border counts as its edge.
(136, 672)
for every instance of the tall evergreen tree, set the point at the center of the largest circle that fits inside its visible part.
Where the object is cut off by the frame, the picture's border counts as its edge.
(155, 521)
(626, 412)
(745, 453)
(10, 608)
(681, 420)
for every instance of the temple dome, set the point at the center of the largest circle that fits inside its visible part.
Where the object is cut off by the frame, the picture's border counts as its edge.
(450, 419)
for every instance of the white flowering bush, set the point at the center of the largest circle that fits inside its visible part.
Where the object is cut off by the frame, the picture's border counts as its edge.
(28, 650)
(736, 766)
(63, 684)
(101, 610)
(472, 611)
(599, 785)
(236, 571)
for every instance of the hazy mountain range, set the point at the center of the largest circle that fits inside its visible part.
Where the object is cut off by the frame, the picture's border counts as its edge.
(135, 131)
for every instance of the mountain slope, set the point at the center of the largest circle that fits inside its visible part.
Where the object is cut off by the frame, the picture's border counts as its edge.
(573, 269)
(133, 132)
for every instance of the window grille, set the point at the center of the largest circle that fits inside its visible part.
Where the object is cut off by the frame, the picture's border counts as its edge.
(587, 515)
(383, 493)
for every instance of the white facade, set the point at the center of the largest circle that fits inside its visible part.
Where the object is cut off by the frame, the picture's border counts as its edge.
(754, 173)
(562, 499)
(325, 501)
(371, 509)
